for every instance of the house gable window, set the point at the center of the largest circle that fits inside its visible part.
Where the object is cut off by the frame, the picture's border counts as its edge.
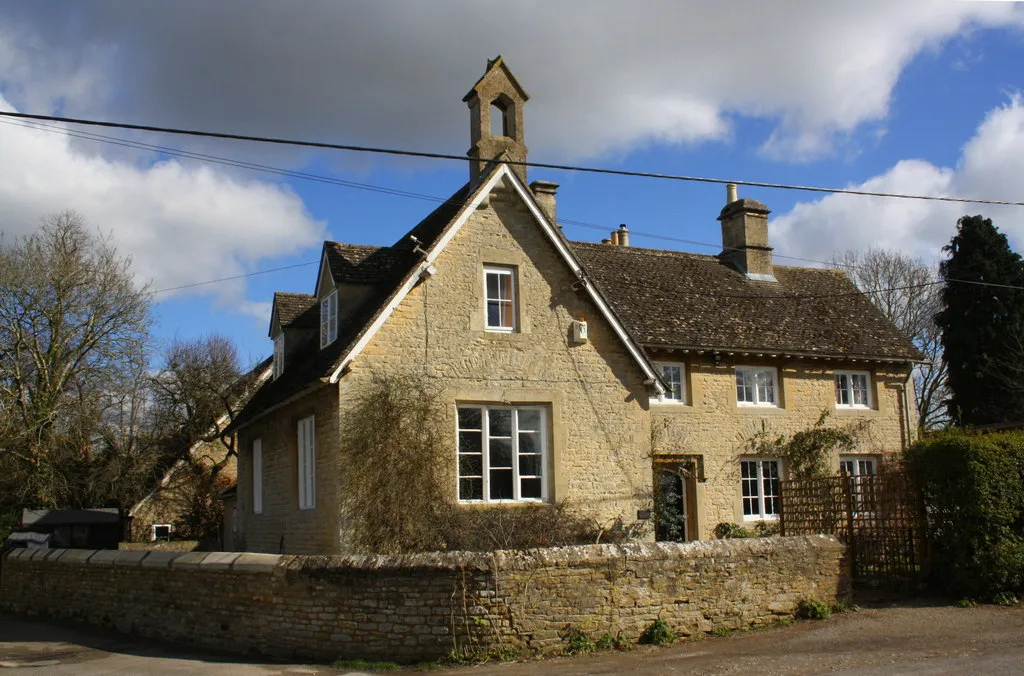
(329, 319)
(257, 476)
(674, 375)
(853, 389)
(502, 453)
(278, 355)
(759, 482)
(756, 386)
(307, 463)
(499, 298)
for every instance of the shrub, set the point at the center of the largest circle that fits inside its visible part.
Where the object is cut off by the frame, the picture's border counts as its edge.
(1005, 599)
(972, 486)
(657, 633)
(618, 642)
(577, 642)
(726, 531)
(471, 528)
(813, 610)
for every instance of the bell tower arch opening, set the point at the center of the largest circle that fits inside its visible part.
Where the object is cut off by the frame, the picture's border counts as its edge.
(496, 120)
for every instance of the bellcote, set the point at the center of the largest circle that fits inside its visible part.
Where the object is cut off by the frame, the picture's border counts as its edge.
(496, 120)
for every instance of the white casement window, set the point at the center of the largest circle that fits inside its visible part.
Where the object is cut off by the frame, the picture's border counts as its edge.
(853, 389)
(759, 481)
(329, 319)
(673, 375)
(257, 476)
(160, 531)
(860, 469)
(502, 454)
(500, 298)
(856, 466)
(278, 355)
(756, 386)
(307, 463)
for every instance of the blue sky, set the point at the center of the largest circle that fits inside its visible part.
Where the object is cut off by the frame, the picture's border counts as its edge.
(920, 97)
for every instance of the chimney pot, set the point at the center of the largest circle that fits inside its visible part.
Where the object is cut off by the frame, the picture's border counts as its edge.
(623, 235)
(730, 193)
(615, 237)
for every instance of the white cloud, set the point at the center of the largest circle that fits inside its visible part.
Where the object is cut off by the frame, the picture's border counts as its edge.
(180, 224)
(605, 75)
(991, 166)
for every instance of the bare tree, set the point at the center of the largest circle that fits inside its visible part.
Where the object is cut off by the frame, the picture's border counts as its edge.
(201, 381)
(72, 322)
(906, 292)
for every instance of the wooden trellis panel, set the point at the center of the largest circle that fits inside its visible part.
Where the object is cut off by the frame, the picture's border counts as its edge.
(879, 516)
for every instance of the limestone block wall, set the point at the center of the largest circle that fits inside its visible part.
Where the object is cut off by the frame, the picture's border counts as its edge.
(423, 606)
(712, 425)
(282, 526)
(599, 436)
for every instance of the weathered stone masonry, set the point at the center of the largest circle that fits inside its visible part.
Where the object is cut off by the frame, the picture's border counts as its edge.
(422, 606)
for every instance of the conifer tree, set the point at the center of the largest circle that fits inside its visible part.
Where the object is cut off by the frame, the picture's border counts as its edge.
(981, 324)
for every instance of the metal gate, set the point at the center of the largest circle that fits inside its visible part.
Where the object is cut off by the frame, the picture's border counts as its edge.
(879, 516)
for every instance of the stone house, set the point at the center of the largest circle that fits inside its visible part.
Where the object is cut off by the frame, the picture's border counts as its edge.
(570, 371)
(160, 514)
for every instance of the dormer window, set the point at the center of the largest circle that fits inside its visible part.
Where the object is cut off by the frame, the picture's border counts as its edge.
(329, 319)
(278, 355)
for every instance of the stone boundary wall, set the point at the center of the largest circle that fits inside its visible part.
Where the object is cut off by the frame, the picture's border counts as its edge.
(422, 606)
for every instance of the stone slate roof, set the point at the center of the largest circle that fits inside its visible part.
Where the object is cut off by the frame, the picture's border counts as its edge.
(388, 268)
(684, 300)
(663, 298)
(292, 308)
(360, 264)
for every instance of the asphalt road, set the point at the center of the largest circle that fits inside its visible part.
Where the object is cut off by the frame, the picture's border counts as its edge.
(922, 639)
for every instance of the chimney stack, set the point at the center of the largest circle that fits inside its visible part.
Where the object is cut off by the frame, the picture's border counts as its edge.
(544, 193)
(745, 236)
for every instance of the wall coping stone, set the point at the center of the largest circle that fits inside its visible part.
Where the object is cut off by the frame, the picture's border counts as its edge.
(189, 560)
(256, 563)
(526, 559)
(158, 559)
(219, 560)
(77, 555)
(103, 557)
(130, 559)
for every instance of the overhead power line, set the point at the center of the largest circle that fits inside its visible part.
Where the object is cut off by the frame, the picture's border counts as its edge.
(320, 178)
(463, 158)
(39, 126)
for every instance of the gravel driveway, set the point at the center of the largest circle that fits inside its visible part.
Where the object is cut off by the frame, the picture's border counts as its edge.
(918, 639)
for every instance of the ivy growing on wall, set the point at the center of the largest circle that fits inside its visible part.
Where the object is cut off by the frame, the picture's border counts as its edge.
(806, 453)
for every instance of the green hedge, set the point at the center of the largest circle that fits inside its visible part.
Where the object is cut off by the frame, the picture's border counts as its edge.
(973, 490)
